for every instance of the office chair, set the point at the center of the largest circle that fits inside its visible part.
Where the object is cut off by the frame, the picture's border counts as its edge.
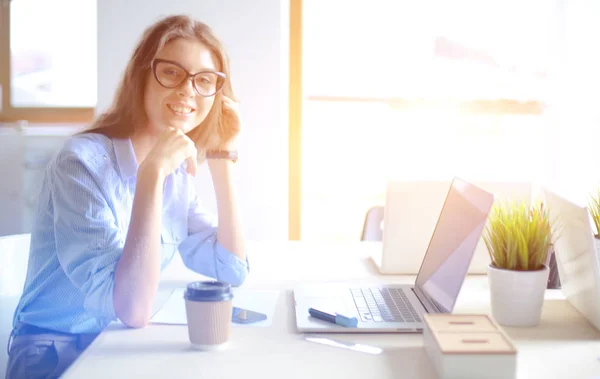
(373, 225)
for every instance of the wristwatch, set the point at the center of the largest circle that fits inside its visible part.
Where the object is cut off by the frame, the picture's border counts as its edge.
(232, 155)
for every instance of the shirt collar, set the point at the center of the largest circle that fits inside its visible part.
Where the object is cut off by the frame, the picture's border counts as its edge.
(126, 160)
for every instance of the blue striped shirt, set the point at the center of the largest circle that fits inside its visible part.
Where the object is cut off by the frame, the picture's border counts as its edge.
(80, 227)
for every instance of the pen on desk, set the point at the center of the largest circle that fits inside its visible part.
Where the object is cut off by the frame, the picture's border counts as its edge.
(349, 322)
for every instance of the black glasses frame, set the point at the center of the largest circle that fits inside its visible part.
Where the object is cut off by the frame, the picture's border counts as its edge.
(189, 75)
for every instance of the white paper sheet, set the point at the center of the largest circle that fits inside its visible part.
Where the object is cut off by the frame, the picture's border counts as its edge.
(263, 301)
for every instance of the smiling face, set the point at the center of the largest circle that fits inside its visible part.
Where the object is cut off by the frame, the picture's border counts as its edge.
(180, 107)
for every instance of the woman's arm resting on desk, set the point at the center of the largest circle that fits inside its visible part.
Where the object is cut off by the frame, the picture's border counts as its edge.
(230, 232)
(203, 252)
(223, 257)
(138, 270)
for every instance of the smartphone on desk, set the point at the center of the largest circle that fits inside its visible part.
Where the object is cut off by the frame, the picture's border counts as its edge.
(245, 316)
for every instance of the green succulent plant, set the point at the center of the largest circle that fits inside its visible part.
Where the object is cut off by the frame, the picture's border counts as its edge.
(518, 237)
(594, 207)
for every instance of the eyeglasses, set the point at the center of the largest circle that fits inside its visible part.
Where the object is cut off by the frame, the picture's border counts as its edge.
(170, 74)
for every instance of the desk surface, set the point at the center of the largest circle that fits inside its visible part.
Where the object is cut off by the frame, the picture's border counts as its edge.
(564, 345)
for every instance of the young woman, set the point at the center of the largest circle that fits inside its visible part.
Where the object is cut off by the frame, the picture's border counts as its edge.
(118, 200)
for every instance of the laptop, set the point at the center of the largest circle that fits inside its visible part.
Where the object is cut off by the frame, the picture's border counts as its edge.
(576, 255)
(411, 212)
(400, 308)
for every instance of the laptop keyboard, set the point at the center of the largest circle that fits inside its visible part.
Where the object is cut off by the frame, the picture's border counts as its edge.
(384, 305)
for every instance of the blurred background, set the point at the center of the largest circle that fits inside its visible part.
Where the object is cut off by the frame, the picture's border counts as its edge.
(338, 97)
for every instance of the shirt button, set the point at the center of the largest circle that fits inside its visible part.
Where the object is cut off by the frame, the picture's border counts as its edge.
(105, 157)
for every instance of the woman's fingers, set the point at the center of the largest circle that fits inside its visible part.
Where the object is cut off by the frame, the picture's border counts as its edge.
(192, 156)
(192, 166)
(172, 149)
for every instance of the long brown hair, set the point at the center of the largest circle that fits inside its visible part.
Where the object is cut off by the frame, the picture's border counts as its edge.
(127, 110)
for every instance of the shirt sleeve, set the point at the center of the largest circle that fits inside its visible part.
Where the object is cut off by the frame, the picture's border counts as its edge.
(88, 241)
(201, 252)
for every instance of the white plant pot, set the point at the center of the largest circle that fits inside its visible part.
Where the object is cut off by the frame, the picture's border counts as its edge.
(517, 296)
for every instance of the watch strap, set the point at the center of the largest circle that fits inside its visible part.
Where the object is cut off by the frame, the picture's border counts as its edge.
(232, 155)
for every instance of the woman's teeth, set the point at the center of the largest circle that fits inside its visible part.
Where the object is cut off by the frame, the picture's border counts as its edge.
(179, 109)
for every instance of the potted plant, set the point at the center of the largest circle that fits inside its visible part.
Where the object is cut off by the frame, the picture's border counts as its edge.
(518, 239)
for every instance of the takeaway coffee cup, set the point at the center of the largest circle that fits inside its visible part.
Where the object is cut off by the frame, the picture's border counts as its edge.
(208, 308)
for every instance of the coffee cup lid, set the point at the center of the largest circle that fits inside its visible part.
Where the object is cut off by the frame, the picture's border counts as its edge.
(208, 291)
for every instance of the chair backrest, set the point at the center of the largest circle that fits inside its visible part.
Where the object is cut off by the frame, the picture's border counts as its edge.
(373, 225)
(14, 255)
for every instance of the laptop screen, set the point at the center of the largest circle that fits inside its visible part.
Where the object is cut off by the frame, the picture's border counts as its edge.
(457, 232)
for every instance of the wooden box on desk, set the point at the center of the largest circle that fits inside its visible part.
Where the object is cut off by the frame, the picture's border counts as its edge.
(468, 346)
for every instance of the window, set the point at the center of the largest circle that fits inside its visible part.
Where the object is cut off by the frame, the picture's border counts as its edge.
(48, 70)
(398, 90)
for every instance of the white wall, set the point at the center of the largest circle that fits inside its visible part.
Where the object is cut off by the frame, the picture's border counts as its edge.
(577, 107)
(255, 34)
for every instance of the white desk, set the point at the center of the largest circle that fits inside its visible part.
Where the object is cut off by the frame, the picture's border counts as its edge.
(564, 345)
